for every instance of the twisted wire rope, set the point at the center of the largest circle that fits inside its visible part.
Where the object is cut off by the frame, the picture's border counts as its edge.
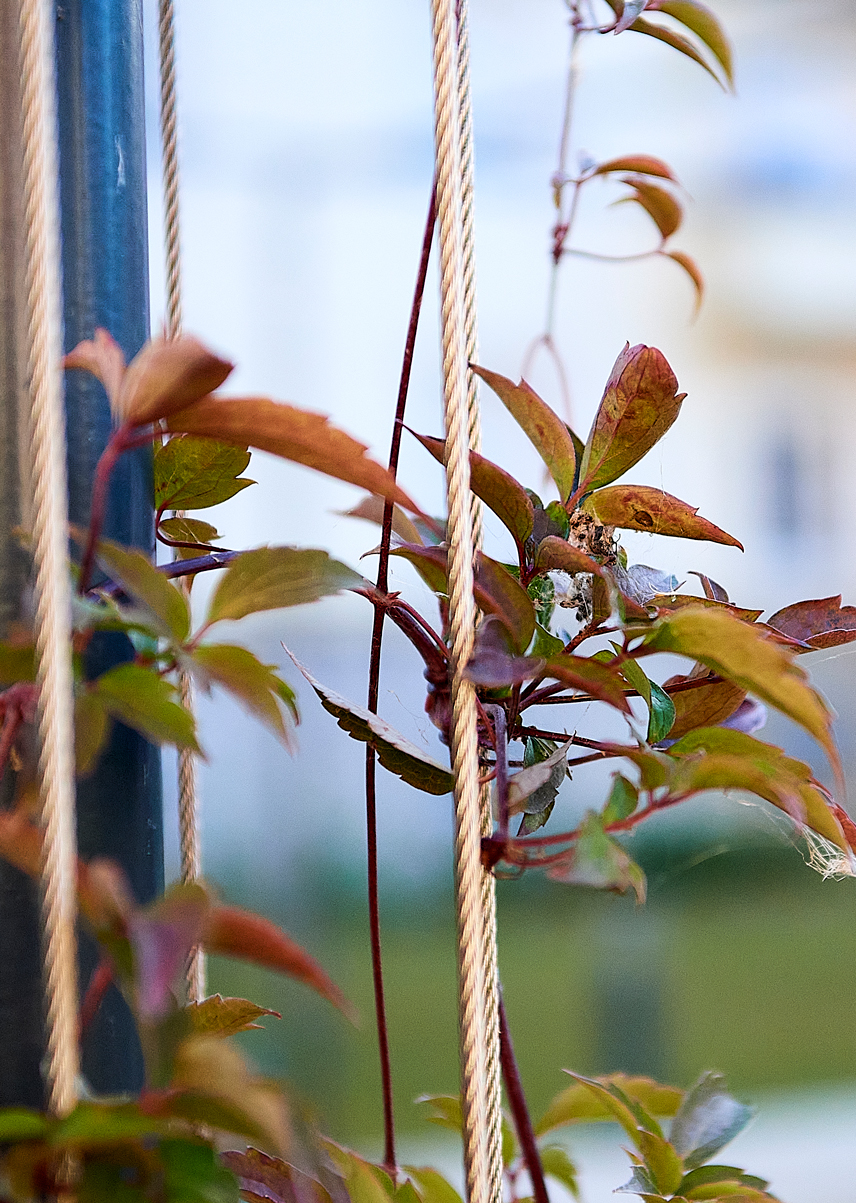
(50, 551)
(188, 793)
(493, 1065)
(469, 895)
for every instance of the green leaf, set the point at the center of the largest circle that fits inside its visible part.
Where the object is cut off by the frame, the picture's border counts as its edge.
(159, 597)
(749, 658)
(271, 578)
(639, 507)
(106, 1123)
(445, 1111)
(142, 699)
(193, 1174)
(544, 644)
(255, 685)
(661, 709)
(497, 489)
(719, 758)
(189, 530)
(395, 753)
(708, 1118)
(218, 1016)
(578, 1104)
(639, 404)
(294, 434)
(22, 1123)
(663, 1162)
(699, 20)
(557, 1163)
(598, 861)
(622, 801)
(615, 1103)
(17, 663)
(534, 788)
(193, 474)
(433, 1187)
(700, 1183)
(363, 1181)
(544, 428)
(641, 1183)
(91, 728)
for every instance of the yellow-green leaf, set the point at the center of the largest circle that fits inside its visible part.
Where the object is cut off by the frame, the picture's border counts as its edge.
(578, 1104)
(218, 1016)
(163, 600)
(142, 699)
(193, 474)
(271, 578)
(256, 685)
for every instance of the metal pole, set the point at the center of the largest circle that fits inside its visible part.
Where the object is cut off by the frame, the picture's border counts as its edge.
(21, 990)
(105, 268)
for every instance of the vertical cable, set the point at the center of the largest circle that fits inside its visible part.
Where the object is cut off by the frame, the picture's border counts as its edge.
(50, 550)
(493, 1065)
(462, 734)
(188, 794)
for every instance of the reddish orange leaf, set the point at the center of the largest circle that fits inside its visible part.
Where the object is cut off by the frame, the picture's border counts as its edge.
(588, 676)
(701, 21)
(706, 705)
(104, 358)
(660, 205)
(639, 404)
(640, 164)
(823, 622)
(691, 268)
(294, 434)
(640, 507)
(557, 554)
(233, 932)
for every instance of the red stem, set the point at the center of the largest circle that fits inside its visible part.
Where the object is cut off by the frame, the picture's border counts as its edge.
(389, 1158)
(519, 1109)
(95, 991)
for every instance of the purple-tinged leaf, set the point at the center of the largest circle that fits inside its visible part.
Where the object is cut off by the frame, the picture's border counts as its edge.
(494, 663)
(823, 622)
(749, 717)
(640, 165)
(639, 404)
(274, 1179)
(545, 429)
(712, 590)
(497, 489)
(643, 584)
(630, 10)
(162, 937)
(588, 676)
(640, 507)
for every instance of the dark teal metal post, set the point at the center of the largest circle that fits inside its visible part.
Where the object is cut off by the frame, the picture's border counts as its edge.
(99, 46)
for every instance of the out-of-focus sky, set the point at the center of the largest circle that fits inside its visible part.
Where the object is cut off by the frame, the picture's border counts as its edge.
(306, 143)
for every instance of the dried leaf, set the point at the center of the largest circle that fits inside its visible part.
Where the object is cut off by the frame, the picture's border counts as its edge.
(255, 685)
(395, 753)
(640, 507)
(291, 433)
(555, 554)
(193, 474)
(218, 1016)
(142, 699)
(533, 788)
(497, 489)
(232, 932)
(163, 602)
(639, 404)
(544, 428)
(821, 623)
(640, 164)
(271, 578)
(748, 657)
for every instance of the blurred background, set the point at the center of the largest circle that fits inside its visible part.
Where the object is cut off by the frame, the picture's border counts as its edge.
(307, 161)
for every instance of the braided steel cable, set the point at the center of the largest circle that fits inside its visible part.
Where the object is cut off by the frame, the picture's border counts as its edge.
(493, 1064)
(463, 733)
(50, 551)
(190, 844)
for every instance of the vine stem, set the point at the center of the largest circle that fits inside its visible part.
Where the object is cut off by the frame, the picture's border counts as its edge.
(389, 1157)
(519, 1109)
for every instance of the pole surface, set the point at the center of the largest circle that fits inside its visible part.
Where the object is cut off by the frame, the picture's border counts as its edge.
(105, 268)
